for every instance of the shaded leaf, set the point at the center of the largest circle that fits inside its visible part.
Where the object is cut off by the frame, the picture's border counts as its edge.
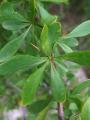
(42, 114)
(31, 85)
(57, 86)
(39, 105)
(11, 47)
(20, 62)
(81, 87)
(6, 8)
(46, 18)
(54, 32)
(32, 9)
(7, 13)
(14, 24)
(81, 57)
(55, 1)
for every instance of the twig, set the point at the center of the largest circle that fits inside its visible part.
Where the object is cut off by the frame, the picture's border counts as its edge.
(60, 111)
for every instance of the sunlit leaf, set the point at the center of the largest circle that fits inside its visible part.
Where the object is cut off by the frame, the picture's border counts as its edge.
(82, 30)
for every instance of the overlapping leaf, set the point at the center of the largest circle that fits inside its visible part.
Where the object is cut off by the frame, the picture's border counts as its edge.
(11, 47)
(20, 63)
(57, 86)
(85, 113)
(81, 87)
(10, 19)
(31, 85)
(81, 57)
(46, 18)
(45, 42)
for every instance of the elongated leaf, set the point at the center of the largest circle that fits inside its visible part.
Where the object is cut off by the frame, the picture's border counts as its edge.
(45, 40)
(81, 30)
(7, 13)
(62, 67)
(31, 85)
(54, 32)
(14, 24)
(13, 17)
(55, 1)
(20, 62)
(71, 42)
(81, 57)
(65, 48)
(11, 47)
(81, 87)
(42, 114)
(6, 8)
(85, 114)
(57, 86)
(46, 18)
(10, 19)
(32, 9)
(39, 105)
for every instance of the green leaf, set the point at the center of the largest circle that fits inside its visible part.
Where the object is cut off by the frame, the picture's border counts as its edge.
(46, 18)
(71, 42)
(20, 63)
(85, 113)
(55, 1)
(81, 57)
(10, 19)
(54, 32)
(65, 48)
(81, 87)
(81, 30)
(6, 8)
(11, 47)
(39, 105)
(7, 13)
(42, 114)
(32, 9)
(57, 86)
(61, 66)
(45, 43)
(31, 85)
(14, 17)
(14, 24)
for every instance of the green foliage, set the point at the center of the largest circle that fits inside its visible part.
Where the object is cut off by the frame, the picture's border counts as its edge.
(34, 59)
(81, 87)
(85, 114)
(55, 1)
(31, 85)
(11, 47)
(57, 85)
(20, 63)
(81, 57)
(81, 30)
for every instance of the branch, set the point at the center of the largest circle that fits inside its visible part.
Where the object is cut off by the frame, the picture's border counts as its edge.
(60, 111)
